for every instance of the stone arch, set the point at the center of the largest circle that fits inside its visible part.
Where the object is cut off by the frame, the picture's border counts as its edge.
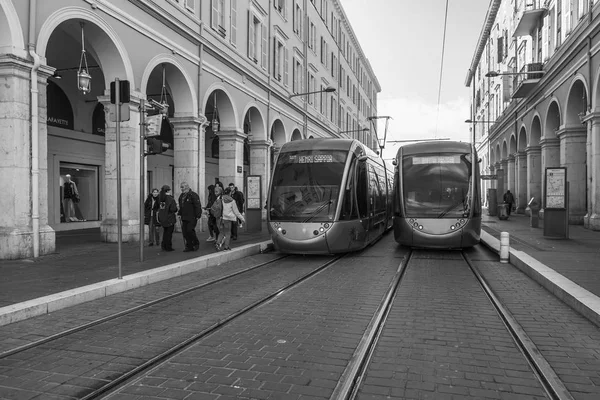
(296, 135)
(576, 102)
(113, 57)
(512, 144)
(521, 142)
(553, 120)
(178, 80)
(498, 153)
(277, 134)
(535, 131)
(504, 150)
(226, 113)
(254, 123)
(11, 33)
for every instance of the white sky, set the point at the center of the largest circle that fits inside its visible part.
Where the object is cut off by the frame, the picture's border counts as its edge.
(402, 40)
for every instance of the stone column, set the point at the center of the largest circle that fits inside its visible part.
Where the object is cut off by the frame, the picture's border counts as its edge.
(231, 157)
(534, 175)
(589, 183)
(16, 174)
(259, 165)
(185, 153)
(594, 156)
(573, 156)
(521, 174)
(510, 179)
(130, 175)
(501, 181)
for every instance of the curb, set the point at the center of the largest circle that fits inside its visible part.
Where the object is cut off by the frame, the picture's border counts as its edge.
(47, 304)
(581, 300)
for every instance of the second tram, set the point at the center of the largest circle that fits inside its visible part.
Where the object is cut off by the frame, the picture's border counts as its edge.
(328, 196)
(437, 195)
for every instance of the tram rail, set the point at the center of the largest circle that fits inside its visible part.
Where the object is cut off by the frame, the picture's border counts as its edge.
(349, 385)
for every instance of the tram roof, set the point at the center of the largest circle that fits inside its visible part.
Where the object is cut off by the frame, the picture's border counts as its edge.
(434, 147)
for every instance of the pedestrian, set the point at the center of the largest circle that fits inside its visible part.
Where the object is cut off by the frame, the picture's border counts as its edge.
(229, 214)
(213, 230)
(510, 200)
(190, 211)
(239, 202)
(150, 218)
(166, 209)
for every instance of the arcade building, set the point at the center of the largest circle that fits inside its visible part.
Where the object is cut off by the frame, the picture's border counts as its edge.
(236, 78)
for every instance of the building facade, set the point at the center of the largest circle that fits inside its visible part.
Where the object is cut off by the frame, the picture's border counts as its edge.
(535, 79)
(227, 69)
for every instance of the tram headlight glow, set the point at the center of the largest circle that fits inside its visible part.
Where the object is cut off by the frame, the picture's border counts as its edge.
(420, 227)
(322, 229)
(452, 227)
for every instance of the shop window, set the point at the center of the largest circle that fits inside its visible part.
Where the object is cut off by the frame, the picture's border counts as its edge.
(59, 111)
(79, 193)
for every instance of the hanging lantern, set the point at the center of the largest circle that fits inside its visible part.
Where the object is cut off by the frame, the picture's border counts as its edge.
(215, 121)
(84, 79)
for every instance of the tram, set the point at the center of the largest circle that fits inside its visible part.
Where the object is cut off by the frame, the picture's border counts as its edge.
(437, 202)
(328, 196)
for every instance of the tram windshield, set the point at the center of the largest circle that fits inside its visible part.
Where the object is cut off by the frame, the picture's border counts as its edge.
(436, 185)
(306, 185)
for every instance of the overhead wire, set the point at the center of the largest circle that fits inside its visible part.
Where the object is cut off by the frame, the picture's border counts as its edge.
(437, 118)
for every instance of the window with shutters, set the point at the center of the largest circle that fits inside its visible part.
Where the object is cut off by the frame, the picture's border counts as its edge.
(500, 48)
(297, 20)
(311, 88)
(558, 22)
(217, 20)
(540, 46)
(280, 7)
(254, 37)
(312, 36)
(280, 57)
(297, 76)
(233, 22)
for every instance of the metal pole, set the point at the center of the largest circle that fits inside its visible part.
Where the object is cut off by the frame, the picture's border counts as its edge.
(119, 215)
(142, 139)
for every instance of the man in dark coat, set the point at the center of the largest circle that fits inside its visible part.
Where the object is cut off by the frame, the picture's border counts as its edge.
(510, 200)
(239, 202)
(190, 211)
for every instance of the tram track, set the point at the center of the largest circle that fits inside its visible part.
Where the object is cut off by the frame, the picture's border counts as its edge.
(353, 376)
(110, 382)
(131, 310)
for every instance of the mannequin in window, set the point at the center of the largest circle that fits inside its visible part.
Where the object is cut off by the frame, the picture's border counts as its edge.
(71, 196)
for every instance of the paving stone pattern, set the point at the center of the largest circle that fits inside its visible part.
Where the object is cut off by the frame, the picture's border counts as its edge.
(444, 340)
(106, 351)
(295, 347)
(568, 341)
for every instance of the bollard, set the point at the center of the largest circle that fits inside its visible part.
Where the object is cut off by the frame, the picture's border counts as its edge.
(504, 247)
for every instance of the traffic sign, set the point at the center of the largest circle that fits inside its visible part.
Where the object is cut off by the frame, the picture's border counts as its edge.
(489, 177)
(153, 125)
(125, 114)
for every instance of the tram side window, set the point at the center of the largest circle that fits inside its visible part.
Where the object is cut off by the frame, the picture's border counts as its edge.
(375, 188)
(362, 187)
(349, 206)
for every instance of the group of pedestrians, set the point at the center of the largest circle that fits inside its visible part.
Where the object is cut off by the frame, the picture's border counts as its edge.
(225, 213)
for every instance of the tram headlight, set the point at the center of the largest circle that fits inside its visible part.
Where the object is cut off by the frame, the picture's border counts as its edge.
(316, 232)
(452, 227)
(283, 231)
(420, 227)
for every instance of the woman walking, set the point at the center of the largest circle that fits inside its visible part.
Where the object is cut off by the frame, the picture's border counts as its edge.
(229, 214)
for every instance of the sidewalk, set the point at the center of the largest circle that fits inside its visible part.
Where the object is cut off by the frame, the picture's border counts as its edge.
(569, 268)
(84, 267)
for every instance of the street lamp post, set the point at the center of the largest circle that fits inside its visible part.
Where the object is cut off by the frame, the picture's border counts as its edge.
(493, 74)
(328, 89)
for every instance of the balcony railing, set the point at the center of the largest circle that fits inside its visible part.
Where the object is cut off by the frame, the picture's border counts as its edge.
(523, 83)
(528, 15)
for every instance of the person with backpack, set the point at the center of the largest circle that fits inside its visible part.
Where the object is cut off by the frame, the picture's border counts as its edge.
(190, 211)
(239, 202)
(216, 211)
(229, 214)
(166, 209)
(213, 229)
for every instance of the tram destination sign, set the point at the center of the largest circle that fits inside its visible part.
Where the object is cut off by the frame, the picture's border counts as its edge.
(489, 177)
